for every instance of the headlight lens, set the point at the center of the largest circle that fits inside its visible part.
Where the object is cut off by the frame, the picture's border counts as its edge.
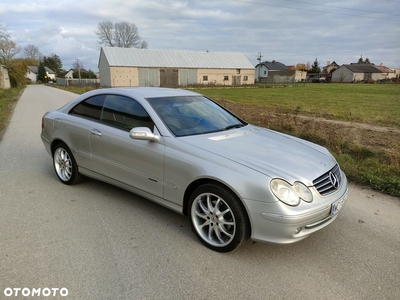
(290, 194)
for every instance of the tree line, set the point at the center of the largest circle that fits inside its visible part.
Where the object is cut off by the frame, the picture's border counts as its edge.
(17, 59)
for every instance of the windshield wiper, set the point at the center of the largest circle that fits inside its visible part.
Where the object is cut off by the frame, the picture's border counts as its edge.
(234, 126)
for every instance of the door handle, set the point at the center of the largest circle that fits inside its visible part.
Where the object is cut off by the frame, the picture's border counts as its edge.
(96, 132)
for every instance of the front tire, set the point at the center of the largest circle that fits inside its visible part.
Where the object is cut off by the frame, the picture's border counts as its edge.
(65, 165)
(218, 218)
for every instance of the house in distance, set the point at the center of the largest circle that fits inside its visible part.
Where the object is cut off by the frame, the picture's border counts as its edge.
(131, 67)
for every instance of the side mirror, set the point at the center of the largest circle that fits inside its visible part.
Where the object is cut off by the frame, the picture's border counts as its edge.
(144, 134)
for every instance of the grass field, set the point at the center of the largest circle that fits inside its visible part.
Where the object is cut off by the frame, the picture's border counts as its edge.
(8, 98)
(377, 104)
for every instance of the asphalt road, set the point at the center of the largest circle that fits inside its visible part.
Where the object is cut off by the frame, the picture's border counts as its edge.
(97, 241)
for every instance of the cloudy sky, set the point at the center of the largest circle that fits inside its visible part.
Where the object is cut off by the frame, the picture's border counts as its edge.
(287, 31)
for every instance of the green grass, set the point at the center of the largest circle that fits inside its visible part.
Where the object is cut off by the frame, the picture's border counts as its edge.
(74, 89)
(8, 98)
(377, 104)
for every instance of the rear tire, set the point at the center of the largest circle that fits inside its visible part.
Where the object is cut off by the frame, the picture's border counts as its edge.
(65, 165)
(217, 218)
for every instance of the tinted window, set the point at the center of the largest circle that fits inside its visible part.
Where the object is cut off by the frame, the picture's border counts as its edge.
(89, 108)
(188, 115)
(125, 113)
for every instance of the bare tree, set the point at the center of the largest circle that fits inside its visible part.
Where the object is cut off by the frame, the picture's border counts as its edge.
(32, 52)
(8, 50)
(77, 65)
(121, 34)
(4, 34)
(144, 45)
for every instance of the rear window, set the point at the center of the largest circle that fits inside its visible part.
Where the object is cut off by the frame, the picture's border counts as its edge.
(89, 108)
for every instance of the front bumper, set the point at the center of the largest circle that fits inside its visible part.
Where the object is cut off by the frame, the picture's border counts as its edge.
(277, 223)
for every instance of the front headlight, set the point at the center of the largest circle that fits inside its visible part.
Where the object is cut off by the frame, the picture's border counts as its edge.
(290, 194)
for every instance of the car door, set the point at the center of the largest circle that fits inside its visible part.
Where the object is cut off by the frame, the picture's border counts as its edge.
(76, 129)
(115, 155)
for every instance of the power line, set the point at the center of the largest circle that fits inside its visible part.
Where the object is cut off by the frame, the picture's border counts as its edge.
(313, 10)
(346, 8)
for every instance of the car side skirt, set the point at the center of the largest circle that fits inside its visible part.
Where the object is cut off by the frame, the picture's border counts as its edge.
(158, 200)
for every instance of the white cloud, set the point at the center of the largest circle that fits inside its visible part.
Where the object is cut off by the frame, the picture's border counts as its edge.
(287, 31)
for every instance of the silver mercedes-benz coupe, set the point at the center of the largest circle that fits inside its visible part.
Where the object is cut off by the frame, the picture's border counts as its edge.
(182, 150)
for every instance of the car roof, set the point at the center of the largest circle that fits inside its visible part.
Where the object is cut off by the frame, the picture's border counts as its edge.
(134, 92)
(147, 92)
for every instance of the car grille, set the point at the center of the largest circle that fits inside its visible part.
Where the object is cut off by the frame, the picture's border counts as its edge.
(329, 182)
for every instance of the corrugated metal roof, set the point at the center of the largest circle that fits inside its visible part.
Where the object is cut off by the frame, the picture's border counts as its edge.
(384, 69)
(132, 57)
(363, 68)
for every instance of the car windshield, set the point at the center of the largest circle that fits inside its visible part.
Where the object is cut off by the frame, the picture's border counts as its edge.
(190, 115)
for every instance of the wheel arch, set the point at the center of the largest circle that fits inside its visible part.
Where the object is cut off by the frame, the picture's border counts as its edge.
(199, 182)
(54, 143)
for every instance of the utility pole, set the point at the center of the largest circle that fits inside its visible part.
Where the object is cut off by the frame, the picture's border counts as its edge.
(79, 68)
(259, 66)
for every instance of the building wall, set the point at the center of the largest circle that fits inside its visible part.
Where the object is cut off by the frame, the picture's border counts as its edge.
(225, 76)
(342, 74)
(122, 77)
(51, 76)
(69, 75)
(187, 77)
(31, 75)
(388, 75)
(285, 76)
(4, 78)
(104, 71)
(133, 77)
(300, 75)
(396, 73)
(261, 72)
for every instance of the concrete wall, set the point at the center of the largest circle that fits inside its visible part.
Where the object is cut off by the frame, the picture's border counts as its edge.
(78, 82)
(4, 78)
(285, 76)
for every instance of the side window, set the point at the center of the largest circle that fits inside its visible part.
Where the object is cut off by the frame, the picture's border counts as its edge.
(89, 108)
(125, 113)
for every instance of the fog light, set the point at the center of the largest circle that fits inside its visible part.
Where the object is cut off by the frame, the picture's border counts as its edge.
(297, 230)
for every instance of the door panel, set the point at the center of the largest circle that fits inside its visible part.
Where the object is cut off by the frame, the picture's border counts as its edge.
(81, 119)
(136, 163)
(78, 139)
(115, 155)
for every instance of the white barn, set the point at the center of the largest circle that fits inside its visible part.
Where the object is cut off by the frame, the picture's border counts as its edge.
(125, 67)
(356, 72)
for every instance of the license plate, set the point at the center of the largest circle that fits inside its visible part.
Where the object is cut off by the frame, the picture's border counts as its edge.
(337, 205)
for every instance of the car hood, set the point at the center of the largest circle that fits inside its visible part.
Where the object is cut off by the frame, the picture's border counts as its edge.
(269, 152)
